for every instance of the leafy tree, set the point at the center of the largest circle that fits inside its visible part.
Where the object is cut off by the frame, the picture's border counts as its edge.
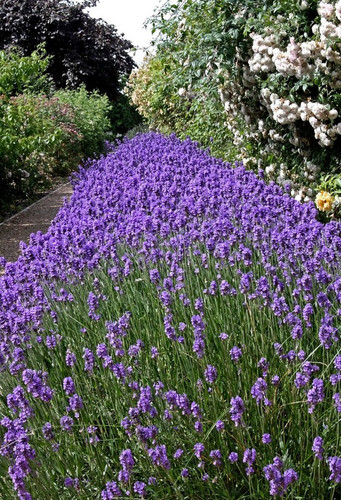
(84, 50)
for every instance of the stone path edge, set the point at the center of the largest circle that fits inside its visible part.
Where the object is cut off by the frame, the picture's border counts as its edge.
(33, 204)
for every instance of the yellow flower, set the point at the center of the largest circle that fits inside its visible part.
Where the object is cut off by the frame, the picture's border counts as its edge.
(324, 201)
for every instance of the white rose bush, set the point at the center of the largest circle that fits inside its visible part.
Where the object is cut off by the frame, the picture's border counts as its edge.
(255, 81)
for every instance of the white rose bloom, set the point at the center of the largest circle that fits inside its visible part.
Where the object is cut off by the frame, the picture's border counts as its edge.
(325, 9)
(313, 121)
(338, 10)
(270, 169)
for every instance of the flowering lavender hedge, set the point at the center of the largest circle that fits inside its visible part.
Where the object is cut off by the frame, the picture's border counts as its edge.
(174, 334)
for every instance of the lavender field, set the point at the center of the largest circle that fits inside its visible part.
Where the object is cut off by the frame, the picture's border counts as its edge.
(174, 335)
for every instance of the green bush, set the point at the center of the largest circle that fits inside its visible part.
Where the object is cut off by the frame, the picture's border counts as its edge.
(43, 134)
(20, 73)
(91, 118)
(37, 141)
(123, 116)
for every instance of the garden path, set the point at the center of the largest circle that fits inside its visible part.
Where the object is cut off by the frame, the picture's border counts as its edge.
(36, 217)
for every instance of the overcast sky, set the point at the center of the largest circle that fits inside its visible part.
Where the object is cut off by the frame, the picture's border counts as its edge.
(128, 16)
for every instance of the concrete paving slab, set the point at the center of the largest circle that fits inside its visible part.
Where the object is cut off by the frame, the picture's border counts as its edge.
(36, 217)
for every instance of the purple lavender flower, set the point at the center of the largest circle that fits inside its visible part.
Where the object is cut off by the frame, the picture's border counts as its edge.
(68, 386)
(237, 409)
(159, 457)
(317, 448)
(185, 473)
(334, 464)
(123, 476)
(93, 303)
(146, 433)
(307, 312)
(154, 352)
(199, 337)
(140, 488)
(135, 349)
(145, 402)
(216, 455)
(111, 491)
(196, 410)
(279, 481)
(335, 378)
(199, 449)
(249, 458)
(158, 386)
(301, 380)
(211, 374)
(119, 371)
(75, 404)
(219, 425)
(102, 351)
(70, 358)
(315, 394)
(51, 341)
(68, 482)
(337, 401)
(178, 453)
(233, 457)
(48, 431)
(198, 426)
(258, 390)
(245, 282)
(264, 365)
(337, 363)
(235, 353)
(66, 423)
(301, 355)
(266, 438)
(88, 359)
(93, 439)
(154, 275)
(199, 305)
(166, 298)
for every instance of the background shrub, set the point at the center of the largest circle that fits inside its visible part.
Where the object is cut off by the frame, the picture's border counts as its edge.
(43, 133)
(20, 73)
(91, 117)
(38, 138)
